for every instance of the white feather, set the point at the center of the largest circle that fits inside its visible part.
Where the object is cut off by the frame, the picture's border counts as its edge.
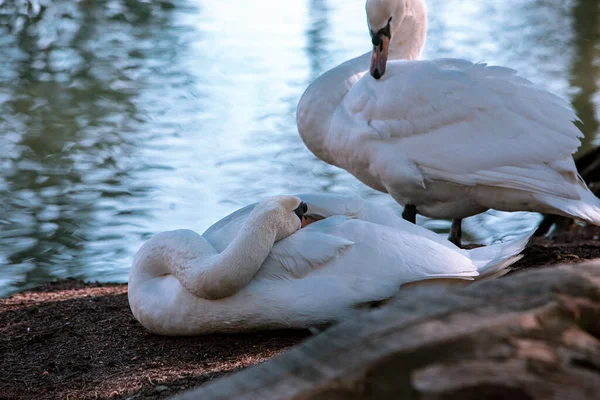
(451, 137)
(322, 273)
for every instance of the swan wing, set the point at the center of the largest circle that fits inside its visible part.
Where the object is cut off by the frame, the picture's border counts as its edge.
(372, 253)
(304, 251)
(454, 121)
(327, 204)
(377, 264)
(400, 256)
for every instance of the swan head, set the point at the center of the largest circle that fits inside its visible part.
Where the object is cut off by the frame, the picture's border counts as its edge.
(285, 213)
(397, 27)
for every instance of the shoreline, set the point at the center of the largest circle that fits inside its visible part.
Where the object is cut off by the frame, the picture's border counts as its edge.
(79, 340)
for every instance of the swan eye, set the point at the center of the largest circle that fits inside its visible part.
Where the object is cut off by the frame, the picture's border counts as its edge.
(376, 36)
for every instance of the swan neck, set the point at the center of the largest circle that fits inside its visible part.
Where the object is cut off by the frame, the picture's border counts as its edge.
(321, 99)
(408, 40)
(199, 267)
(238, 263)
(251, 246)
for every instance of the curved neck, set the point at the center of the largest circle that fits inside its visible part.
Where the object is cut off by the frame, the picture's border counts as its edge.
(322, 97)
(409, 37)
(232, 269)
(210, 275)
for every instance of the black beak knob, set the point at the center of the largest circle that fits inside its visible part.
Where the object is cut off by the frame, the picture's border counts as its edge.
(302, 208)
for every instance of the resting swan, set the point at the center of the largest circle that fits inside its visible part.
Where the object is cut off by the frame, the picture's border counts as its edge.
(255, 269)
(446, 138)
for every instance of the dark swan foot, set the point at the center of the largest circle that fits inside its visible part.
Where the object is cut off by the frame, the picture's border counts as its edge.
(410, 213)
(456, 231)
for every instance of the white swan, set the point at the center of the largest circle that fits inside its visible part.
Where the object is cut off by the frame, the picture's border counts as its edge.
(240, 276)
(445, 138)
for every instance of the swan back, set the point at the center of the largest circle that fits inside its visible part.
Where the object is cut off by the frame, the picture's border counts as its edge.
(325, 205)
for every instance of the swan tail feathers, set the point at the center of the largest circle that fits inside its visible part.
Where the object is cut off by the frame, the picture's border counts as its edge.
(493, 261)
(587, 209)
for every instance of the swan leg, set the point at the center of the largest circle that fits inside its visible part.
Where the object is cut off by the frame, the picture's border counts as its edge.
(456, 231)
(545, 225)
(410, 213)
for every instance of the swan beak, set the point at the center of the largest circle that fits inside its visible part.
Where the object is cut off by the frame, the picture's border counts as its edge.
(302, 208)
(309, 219)
(379, 57)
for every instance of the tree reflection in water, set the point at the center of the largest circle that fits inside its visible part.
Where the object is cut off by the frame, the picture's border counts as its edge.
(70, 75)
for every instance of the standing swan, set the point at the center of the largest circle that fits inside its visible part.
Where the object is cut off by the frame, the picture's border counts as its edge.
(255, 270)
(445, 138)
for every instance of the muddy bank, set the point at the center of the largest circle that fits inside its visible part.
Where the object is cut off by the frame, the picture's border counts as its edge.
(76, 340)
(80, 341)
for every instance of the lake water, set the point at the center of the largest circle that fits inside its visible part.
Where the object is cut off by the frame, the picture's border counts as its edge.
(121, 119)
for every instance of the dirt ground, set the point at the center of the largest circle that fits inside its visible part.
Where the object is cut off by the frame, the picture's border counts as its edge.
(74, 340)
(79, 341)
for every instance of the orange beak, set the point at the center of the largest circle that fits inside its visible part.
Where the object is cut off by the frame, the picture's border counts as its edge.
(309, 219)
(379, 57)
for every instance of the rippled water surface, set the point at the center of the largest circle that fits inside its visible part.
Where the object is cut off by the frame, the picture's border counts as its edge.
(120, 119)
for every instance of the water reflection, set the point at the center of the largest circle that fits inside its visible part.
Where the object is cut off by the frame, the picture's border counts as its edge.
(318, 38)
(70, 123)
(584, 72)
(119, 119)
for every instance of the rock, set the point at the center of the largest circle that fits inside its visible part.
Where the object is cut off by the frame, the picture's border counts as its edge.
(531, 335)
